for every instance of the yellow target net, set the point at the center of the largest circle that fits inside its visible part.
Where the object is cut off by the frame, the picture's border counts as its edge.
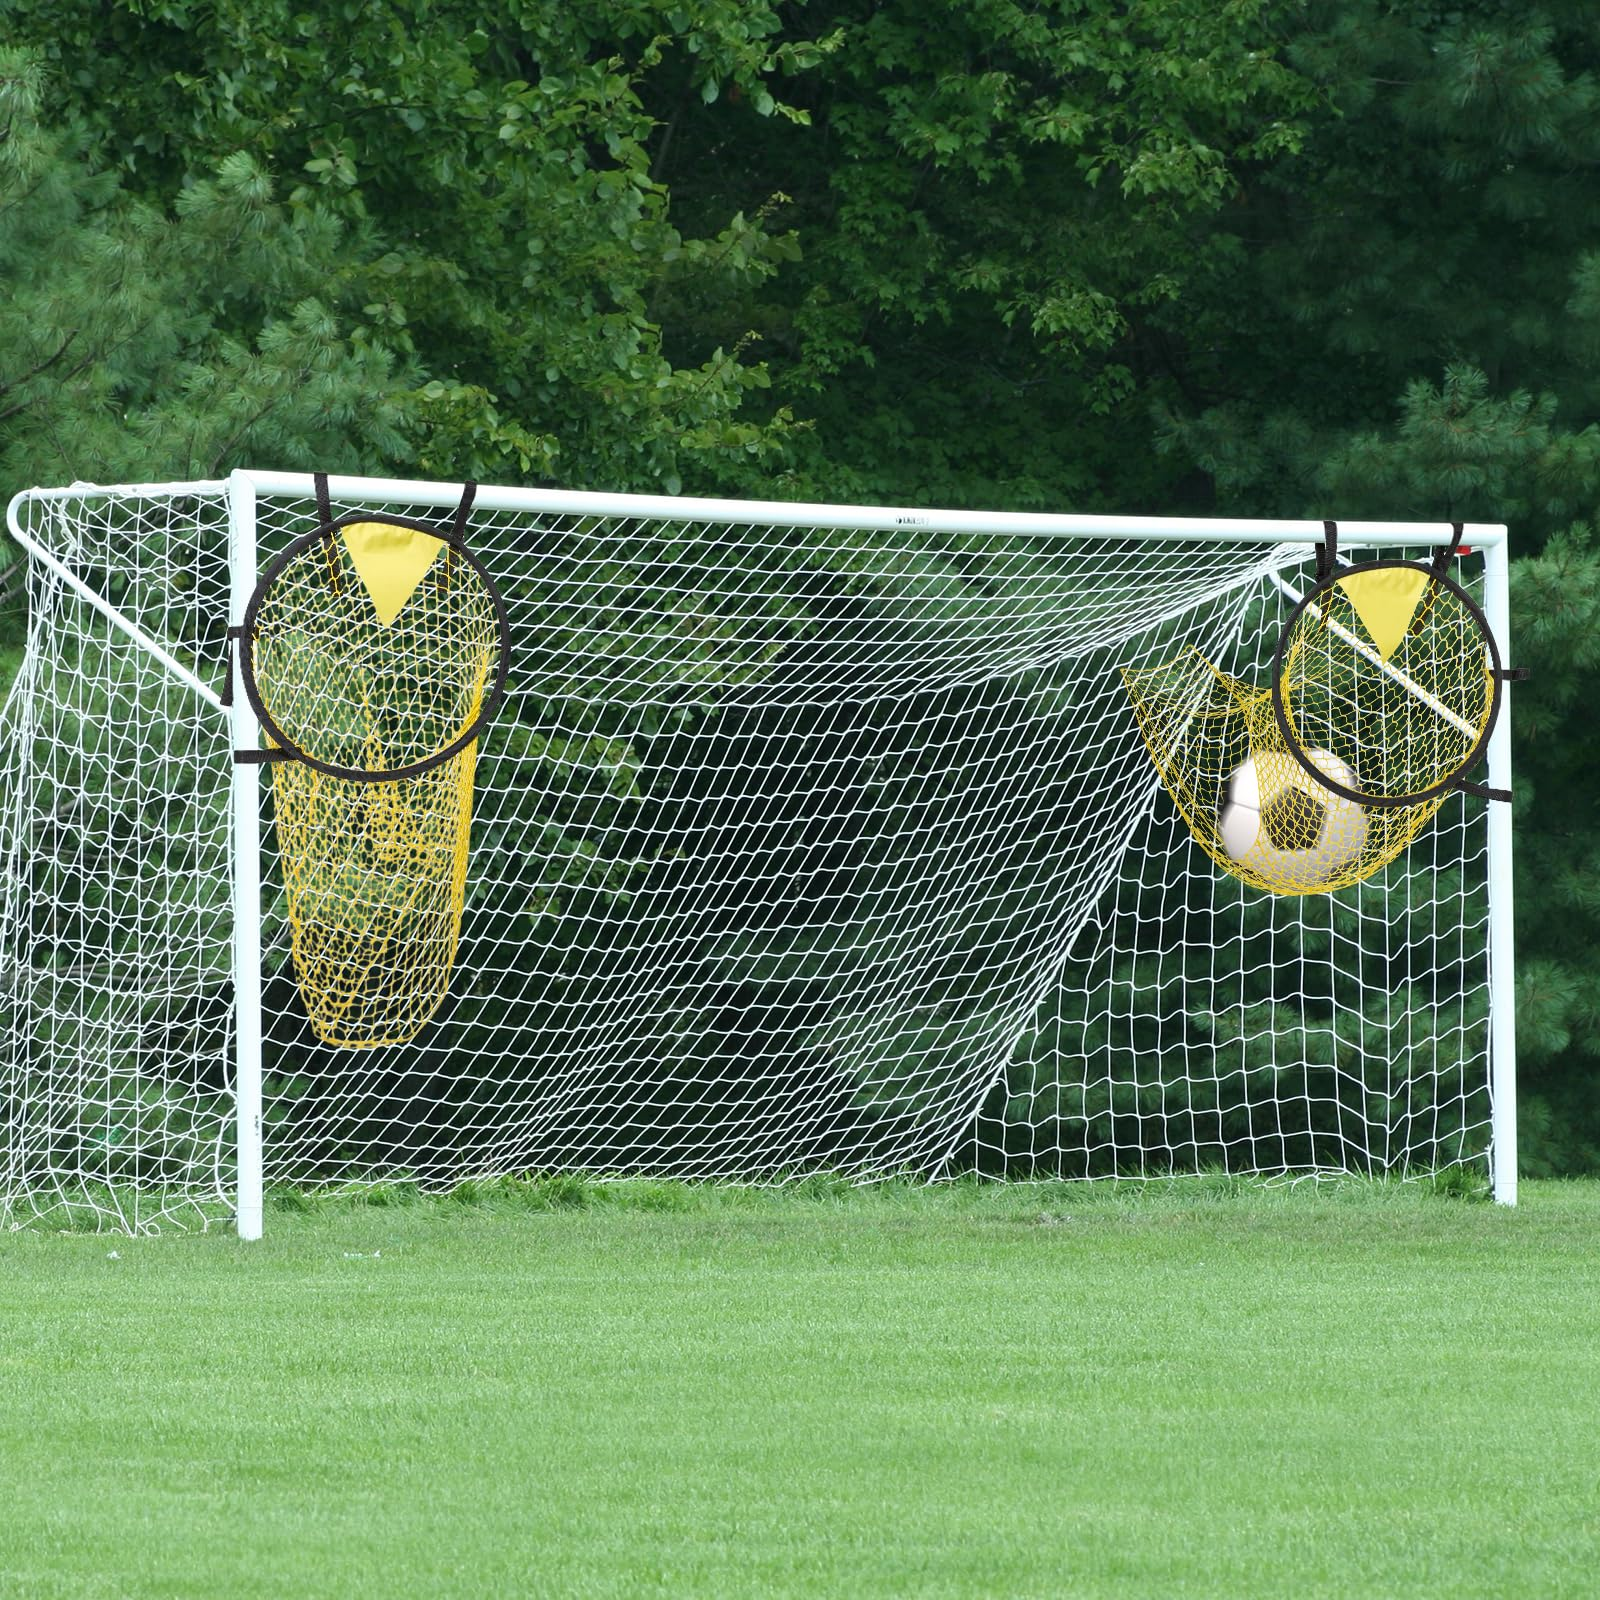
(373, 652)
(374, 876)
(1385, 689)
(1395, 664)
(1250, 804)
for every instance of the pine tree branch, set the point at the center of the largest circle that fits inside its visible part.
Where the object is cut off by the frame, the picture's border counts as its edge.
(33, 372)
(245, 426)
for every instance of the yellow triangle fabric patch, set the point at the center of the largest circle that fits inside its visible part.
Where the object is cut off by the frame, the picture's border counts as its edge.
(391, 561)
(1386, 601)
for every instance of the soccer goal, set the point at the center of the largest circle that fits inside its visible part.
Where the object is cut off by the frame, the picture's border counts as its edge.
(804, 838)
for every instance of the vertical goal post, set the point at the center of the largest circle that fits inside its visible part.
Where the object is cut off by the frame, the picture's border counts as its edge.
(719, 745)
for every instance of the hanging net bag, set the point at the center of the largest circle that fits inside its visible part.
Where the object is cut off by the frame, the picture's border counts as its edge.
(373, 651)
(1385, 688)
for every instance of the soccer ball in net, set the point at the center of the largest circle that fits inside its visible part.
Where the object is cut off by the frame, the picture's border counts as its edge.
(1278, 821)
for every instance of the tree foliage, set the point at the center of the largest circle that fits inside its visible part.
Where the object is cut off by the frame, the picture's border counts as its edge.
(135, 343)
(992, 199)
(504, 180)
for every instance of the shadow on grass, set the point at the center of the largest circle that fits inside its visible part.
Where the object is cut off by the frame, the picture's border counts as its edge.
(969, 1193)
(91, 1209)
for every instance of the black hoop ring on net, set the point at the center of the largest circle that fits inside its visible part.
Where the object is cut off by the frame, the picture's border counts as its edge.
(493, 694)
(1456, 779)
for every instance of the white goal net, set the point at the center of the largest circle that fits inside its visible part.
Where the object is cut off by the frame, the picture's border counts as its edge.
(805, 839)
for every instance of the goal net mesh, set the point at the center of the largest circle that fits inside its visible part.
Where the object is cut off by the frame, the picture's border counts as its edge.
(793, 849)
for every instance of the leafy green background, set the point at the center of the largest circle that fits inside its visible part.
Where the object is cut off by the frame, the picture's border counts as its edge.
(1264, 257)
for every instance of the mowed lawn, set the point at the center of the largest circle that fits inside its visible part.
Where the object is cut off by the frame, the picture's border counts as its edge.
(1205, 1389)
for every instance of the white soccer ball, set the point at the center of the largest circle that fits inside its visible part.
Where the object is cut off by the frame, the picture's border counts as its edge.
(1280, 822)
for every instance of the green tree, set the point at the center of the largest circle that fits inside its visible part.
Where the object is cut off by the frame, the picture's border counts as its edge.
(135, 345)
(993, 200)
(138, 345)
(503, 167)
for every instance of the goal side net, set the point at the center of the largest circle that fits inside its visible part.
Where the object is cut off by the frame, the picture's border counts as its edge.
(805, 839)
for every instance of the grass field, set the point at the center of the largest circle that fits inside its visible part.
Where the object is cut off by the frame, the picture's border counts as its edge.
(1203, 1389)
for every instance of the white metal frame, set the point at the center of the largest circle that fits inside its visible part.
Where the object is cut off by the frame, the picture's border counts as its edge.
(246, 876)
(243, 486)
(1502, 990)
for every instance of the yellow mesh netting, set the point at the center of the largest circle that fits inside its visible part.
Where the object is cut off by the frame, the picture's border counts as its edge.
(374, 875)
(1394, 671)
(371, 652)
(1255, 810)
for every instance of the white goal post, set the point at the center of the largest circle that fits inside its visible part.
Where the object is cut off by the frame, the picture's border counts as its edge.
(807, 838)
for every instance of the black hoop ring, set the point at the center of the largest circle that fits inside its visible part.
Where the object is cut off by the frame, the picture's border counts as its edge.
(247, 666)
(1292, 739)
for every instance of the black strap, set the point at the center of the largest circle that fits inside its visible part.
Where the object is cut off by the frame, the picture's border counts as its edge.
(1446, 553)
(1483, 791)
(469, 493)
(325, 522)
(458, 530)
(1328, 551)
(234, 634)
(258, 758)
(1511, 674)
